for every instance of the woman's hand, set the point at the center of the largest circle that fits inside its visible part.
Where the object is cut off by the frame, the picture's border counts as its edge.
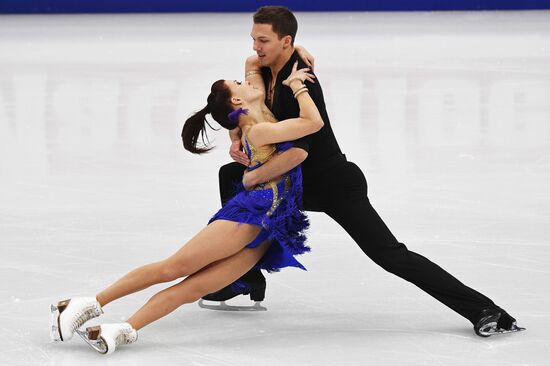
(298, 77)
(306, 56)
(237, 154)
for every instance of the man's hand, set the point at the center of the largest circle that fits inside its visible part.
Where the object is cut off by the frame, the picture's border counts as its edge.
(237, 154)
(248, 180)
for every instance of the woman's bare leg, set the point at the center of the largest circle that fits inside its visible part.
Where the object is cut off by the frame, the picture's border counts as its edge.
(219, 240)
(210, 279)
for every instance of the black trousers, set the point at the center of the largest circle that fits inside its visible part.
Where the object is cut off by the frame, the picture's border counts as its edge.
(341, 193)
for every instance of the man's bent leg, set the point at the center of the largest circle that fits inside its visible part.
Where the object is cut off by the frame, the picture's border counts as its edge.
(228, 176)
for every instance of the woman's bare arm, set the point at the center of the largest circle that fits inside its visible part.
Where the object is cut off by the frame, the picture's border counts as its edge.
(275, 167)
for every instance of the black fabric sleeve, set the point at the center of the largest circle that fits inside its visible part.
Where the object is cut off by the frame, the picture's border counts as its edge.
(316, 94)
(302, 143)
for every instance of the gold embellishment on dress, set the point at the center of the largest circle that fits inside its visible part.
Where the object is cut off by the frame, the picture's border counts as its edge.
(260, 155)
(276, 199)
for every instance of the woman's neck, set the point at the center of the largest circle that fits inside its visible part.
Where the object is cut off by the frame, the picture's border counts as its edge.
(255, 113)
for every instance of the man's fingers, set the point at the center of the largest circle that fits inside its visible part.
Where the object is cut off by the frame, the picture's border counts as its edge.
(240, 157)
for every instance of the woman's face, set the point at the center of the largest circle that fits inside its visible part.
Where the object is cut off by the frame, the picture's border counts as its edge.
(243, 90)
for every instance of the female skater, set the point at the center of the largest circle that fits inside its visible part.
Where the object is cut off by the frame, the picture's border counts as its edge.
(261, 228)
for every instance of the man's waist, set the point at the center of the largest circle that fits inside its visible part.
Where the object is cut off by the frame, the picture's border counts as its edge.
(312, 168)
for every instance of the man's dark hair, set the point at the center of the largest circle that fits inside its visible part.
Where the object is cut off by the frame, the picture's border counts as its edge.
(282, 20)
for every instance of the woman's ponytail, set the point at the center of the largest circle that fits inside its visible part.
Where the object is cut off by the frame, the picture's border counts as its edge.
(192, 128)
(219, 106)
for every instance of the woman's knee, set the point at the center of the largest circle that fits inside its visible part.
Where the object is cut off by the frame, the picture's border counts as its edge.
(171, 270)
(188, 293)
(194, 294)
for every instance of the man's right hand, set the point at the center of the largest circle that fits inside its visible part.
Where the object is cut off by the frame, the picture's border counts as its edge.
(237, 154)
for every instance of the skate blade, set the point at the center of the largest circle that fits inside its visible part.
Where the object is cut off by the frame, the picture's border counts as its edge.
(496, 331)
(97, 345)
(55, 336)
(222, 306)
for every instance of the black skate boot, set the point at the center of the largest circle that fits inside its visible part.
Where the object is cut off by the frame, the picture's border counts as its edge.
(495, 321)
(252, 283)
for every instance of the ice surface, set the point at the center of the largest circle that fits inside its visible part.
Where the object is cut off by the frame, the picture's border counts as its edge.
(448, 115)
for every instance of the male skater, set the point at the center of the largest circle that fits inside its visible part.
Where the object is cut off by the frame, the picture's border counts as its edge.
(337, 187)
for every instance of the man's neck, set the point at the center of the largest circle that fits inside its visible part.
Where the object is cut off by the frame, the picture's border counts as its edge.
(281, 61)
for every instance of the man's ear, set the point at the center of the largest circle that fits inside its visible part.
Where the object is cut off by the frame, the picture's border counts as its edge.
(236, 101)
(287, 41)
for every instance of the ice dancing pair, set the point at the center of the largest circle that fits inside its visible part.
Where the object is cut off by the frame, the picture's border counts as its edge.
(261, 224)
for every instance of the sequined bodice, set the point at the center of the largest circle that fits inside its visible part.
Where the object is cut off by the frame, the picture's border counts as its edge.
(257, 156)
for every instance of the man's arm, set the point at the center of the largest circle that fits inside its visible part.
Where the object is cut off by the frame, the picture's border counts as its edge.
(235, 150)
(275, 167)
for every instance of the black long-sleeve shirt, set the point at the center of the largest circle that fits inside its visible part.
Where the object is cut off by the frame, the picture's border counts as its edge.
(322, 147)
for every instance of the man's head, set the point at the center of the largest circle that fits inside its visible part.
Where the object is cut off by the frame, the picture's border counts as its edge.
(273, 33)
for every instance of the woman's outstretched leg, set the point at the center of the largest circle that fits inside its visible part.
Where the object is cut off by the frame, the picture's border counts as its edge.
(106, 338)
(191, 289)
(221, 239)
(218, 240)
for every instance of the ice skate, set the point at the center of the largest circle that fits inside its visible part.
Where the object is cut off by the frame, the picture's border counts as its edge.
(256, 290)
(69, 315)
(496, 321)
(106, 338)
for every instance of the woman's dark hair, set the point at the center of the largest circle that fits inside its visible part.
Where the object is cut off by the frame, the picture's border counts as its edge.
(219, 106)
(282, 20)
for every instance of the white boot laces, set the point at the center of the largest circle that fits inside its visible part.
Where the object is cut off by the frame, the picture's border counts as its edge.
(127, 335)
(85, 315)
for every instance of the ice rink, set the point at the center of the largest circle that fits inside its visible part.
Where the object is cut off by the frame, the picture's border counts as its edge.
(448, 115)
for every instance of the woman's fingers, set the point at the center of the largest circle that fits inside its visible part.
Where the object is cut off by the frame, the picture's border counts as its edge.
(301, 75)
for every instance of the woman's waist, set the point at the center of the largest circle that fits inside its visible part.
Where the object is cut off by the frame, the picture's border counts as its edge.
(268, 185)
(278, 182)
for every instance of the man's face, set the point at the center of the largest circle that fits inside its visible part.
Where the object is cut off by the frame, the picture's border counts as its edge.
(267, 44)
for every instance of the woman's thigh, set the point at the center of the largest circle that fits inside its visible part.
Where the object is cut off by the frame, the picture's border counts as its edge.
(219, 240)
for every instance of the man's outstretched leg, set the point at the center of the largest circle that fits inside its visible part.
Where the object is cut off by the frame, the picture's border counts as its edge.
(350, 207)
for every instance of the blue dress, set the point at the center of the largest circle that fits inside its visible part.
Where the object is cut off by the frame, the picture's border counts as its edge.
(275, 207)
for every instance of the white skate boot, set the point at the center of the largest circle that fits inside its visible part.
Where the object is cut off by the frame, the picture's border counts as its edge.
(106, 338)
(69, 315)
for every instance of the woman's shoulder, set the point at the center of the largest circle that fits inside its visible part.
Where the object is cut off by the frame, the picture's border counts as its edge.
(255, 134)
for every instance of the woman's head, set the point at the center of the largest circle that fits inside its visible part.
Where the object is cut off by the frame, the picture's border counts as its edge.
(225, 96)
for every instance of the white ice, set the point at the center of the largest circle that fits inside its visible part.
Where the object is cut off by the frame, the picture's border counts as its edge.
(448, 115)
